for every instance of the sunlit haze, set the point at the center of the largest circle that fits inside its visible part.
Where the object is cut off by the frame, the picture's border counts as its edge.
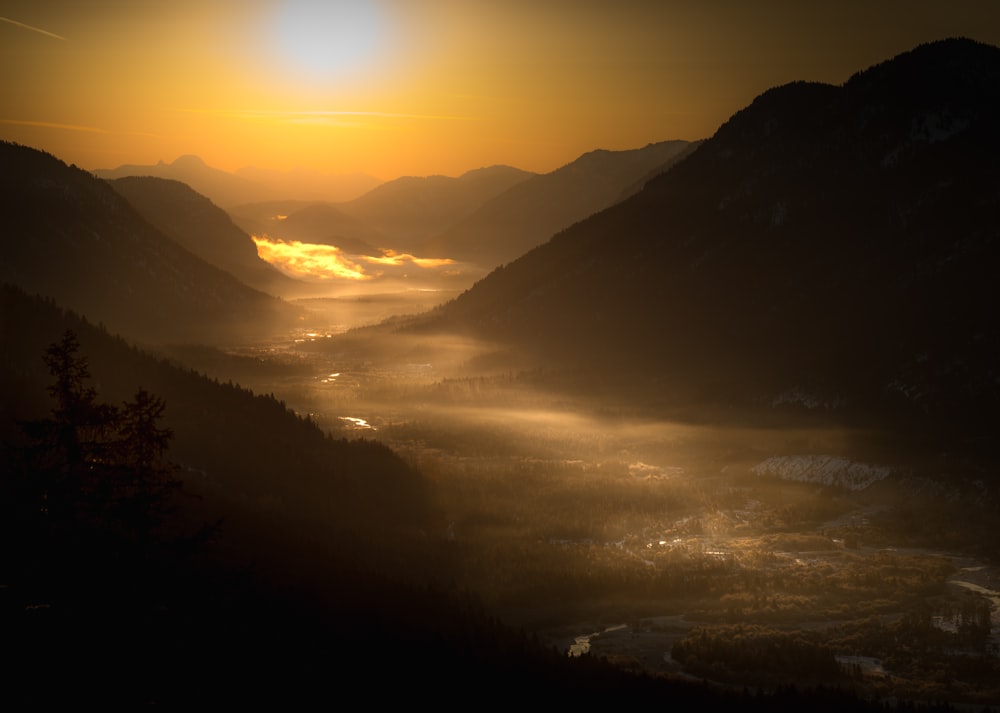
(392, 87)
(313, 261)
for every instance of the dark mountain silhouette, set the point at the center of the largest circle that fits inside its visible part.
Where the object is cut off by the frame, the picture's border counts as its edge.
(532, 211)
(221, 187)
(70, 236)
(410, 209)
(830, 246)
(203, 228)
(229, 442)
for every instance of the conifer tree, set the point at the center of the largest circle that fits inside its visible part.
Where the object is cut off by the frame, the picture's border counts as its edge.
(96, 479)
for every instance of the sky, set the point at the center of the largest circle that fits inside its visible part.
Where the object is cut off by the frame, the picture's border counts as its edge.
(422, 87)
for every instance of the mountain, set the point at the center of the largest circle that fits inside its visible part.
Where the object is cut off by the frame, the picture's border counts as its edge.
(291, 510)
(831, 249)
(323, 223)
(228, 441)
(410, 209)
(250, 185)
(223, 188)
(310, 185)
(203, 228)
(486, 216)
(532, 211)
(70, 236)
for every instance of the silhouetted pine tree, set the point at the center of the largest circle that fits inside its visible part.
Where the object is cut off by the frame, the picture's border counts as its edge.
(91, 486)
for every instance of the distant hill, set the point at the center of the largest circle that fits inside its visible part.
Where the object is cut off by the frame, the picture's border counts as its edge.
(410, 209)
(203, 228)
(532, 211)
(233, 444)
(70, 236)
(223, 188)
(485, 216)
(831, 249)
(323, 223)
(250, 185)
(311, 185)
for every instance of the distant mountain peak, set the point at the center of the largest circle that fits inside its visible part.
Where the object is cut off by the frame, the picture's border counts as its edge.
(189, 161)
(498, 168)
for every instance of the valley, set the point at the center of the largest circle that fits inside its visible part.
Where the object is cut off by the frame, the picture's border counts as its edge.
(674, 548)
(707, 422)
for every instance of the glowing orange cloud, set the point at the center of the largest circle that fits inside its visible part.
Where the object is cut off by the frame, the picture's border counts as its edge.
(326, 262)
(310, 260)
(391, 257)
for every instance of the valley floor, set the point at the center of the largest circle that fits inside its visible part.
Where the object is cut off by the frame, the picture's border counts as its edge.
(740, 555)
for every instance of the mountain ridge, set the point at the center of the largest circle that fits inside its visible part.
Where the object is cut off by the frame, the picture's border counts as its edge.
(222, 187)
(72, 237)
(409, 209)
(202, 227)
(246, 185)
(525, 215)
(818, 241)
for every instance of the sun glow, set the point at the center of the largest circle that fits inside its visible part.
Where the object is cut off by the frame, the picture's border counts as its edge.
(395, 87)
(324, 40)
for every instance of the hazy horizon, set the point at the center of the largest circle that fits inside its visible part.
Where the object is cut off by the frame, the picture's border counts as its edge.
(395, 89)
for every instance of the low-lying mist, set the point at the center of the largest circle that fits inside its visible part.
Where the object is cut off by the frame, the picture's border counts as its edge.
(329, 270)
(575, 514)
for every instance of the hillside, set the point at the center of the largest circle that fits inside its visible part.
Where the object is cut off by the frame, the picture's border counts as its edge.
(249, 184)
(203, 228)
(231, 443)
(71, 237)
(322, 223)
(531, 212)
(221, 187)
(310, 185)
(410, 209)
(829, 250)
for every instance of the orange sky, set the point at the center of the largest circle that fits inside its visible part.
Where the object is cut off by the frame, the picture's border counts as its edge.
(417, 87)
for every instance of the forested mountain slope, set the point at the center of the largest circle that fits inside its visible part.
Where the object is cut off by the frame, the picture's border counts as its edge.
(203, 228)
(70, 236)
(527, 214)
(830, 248)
